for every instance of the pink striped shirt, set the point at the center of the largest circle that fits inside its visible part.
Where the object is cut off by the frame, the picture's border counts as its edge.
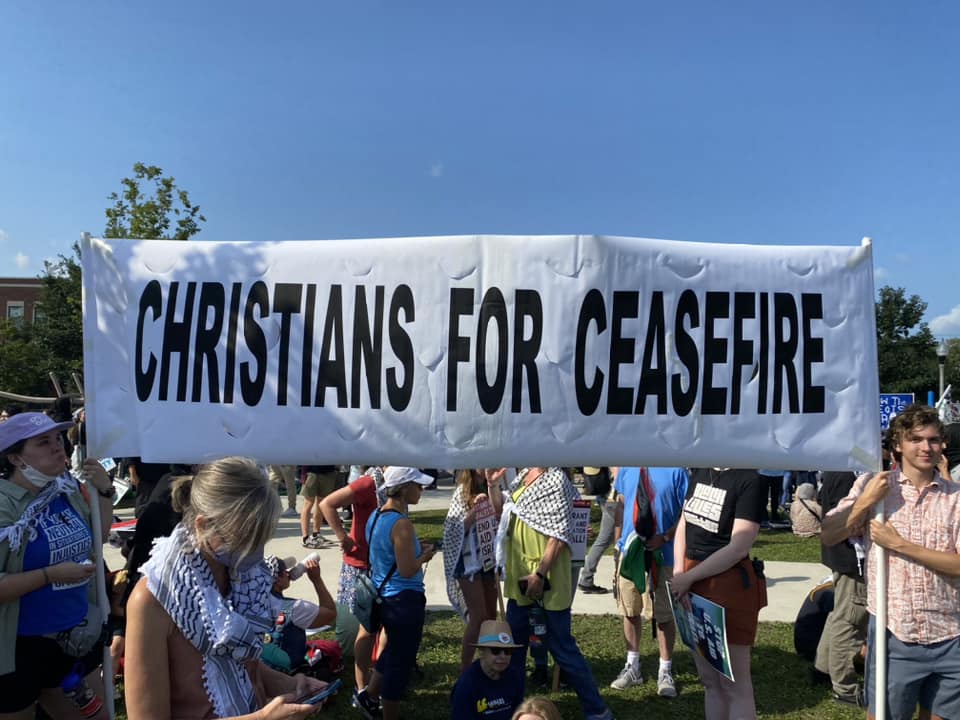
(923, 606)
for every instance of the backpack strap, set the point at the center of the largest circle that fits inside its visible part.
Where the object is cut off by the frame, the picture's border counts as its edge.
(810, 509)
(393, 568)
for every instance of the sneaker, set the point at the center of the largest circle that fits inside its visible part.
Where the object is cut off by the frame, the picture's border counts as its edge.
(628, 677)
(593, 589)
(857, 700)
(290, 513)
(321, 541)
(311, 542)
(368, 709)
(539, 678)
(665, 685)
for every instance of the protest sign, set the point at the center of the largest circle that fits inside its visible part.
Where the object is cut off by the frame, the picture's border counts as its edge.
(891, 405)
(482, 351)
(703, 629)
(485, 522)
(581, 523)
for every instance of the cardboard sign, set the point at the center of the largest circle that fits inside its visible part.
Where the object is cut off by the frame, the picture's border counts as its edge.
(581, 523)
(486, 525)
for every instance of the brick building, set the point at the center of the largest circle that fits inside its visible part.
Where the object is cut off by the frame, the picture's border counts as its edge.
(20, 298)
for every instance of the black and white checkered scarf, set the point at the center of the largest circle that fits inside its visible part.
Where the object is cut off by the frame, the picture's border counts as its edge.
(546, 505)
(227, 631)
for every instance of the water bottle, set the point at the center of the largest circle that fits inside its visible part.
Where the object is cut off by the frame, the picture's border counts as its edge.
(538, 626)
(299, 569)
(76, 689)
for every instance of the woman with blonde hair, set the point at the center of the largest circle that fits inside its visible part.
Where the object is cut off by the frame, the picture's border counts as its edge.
(537, 708)
(196, 620)
(471, 587)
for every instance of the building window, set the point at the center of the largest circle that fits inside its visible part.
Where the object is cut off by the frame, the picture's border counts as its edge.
(38, 314)
(15, 312)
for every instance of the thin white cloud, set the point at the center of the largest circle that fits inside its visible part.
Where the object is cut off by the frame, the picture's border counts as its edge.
(3, 235)
(947, 325)
(436, 170)
(21, 260)
(903, 258)
(880, 273)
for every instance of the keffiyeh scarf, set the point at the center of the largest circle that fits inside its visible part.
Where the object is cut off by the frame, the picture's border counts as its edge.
(546, 505)
(226, 631)
(24, 528)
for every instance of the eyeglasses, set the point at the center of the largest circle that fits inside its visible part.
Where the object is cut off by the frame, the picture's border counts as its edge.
(500, 651)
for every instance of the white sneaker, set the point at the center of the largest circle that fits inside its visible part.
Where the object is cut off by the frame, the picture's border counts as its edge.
(665, 685)
(628, 677)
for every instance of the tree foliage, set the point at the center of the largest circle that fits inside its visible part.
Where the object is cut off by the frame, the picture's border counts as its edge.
(906, 349)
(136, 213)
(150, 206)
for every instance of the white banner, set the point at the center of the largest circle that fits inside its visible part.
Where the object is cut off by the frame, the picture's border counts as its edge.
(482, 351)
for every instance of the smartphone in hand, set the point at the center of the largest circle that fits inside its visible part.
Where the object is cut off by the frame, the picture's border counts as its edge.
(319, 697)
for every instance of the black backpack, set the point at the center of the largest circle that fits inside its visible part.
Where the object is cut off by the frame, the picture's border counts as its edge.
(598, 484)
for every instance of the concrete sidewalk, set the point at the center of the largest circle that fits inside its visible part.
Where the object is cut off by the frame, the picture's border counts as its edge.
(787, 582)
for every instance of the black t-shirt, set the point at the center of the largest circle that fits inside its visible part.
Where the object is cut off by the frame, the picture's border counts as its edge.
(841, 558)
(715, 498)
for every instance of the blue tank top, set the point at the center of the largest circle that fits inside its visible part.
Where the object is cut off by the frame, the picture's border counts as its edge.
(383, 557)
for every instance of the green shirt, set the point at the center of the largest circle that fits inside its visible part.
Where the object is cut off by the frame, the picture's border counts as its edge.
(526, 549)
(13, 501)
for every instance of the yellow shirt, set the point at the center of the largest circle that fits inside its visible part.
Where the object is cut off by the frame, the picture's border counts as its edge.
(526, 549)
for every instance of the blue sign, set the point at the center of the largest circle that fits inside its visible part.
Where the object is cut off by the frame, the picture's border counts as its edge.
(891, 405)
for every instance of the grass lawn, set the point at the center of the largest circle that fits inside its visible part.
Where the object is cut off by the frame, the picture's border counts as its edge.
(779, 676)
(770, 545)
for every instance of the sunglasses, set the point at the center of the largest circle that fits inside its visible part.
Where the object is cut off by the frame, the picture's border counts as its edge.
(500, 651)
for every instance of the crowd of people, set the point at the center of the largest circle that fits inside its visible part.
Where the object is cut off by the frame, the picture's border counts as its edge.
(202, 628)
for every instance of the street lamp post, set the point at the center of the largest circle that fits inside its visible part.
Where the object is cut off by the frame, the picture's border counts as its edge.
(942, 350)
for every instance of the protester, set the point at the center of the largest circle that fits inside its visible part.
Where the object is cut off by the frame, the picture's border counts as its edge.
(471, 588)
(46, 547)
(284, 475)
(293, 617)
(537, 708)
(397, 559)
(845, 630)
(665, 490)
(773, 480)
(318, 482)
(490, 688)
(361, 495)
(144, 477)
(951, 451)
(806, 516)
(921, 533)
(598, 482)
(720, 521)
(539, 578)
(196, 620)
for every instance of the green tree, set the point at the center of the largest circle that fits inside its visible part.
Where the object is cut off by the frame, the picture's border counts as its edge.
(150, 206)
(906, 349)
(21, 369)
(136, 213)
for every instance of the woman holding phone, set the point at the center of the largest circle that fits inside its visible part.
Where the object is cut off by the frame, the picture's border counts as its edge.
(196, 620)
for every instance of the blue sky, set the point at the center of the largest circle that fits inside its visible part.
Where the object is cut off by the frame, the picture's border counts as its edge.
(758, 122)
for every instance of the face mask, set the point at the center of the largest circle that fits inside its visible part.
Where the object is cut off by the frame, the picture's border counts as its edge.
(224, 556)
(35, 477)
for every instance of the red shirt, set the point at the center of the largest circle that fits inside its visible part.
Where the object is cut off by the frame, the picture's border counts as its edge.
(364, 503)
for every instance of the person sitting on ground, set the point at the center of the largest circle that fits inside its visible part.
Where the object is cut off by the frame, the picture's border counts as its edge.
(197, 618)
(489, 688)
(537, 708)
(806, 516)
(294, 617)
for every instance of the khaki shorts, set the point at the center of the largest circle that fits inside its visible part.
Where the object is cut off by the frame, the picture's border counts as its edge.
(630, 600)
(319, 485)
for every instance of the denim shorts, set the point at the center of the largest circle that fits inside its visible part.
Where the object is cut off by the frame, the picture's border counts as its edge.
(928, 675)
